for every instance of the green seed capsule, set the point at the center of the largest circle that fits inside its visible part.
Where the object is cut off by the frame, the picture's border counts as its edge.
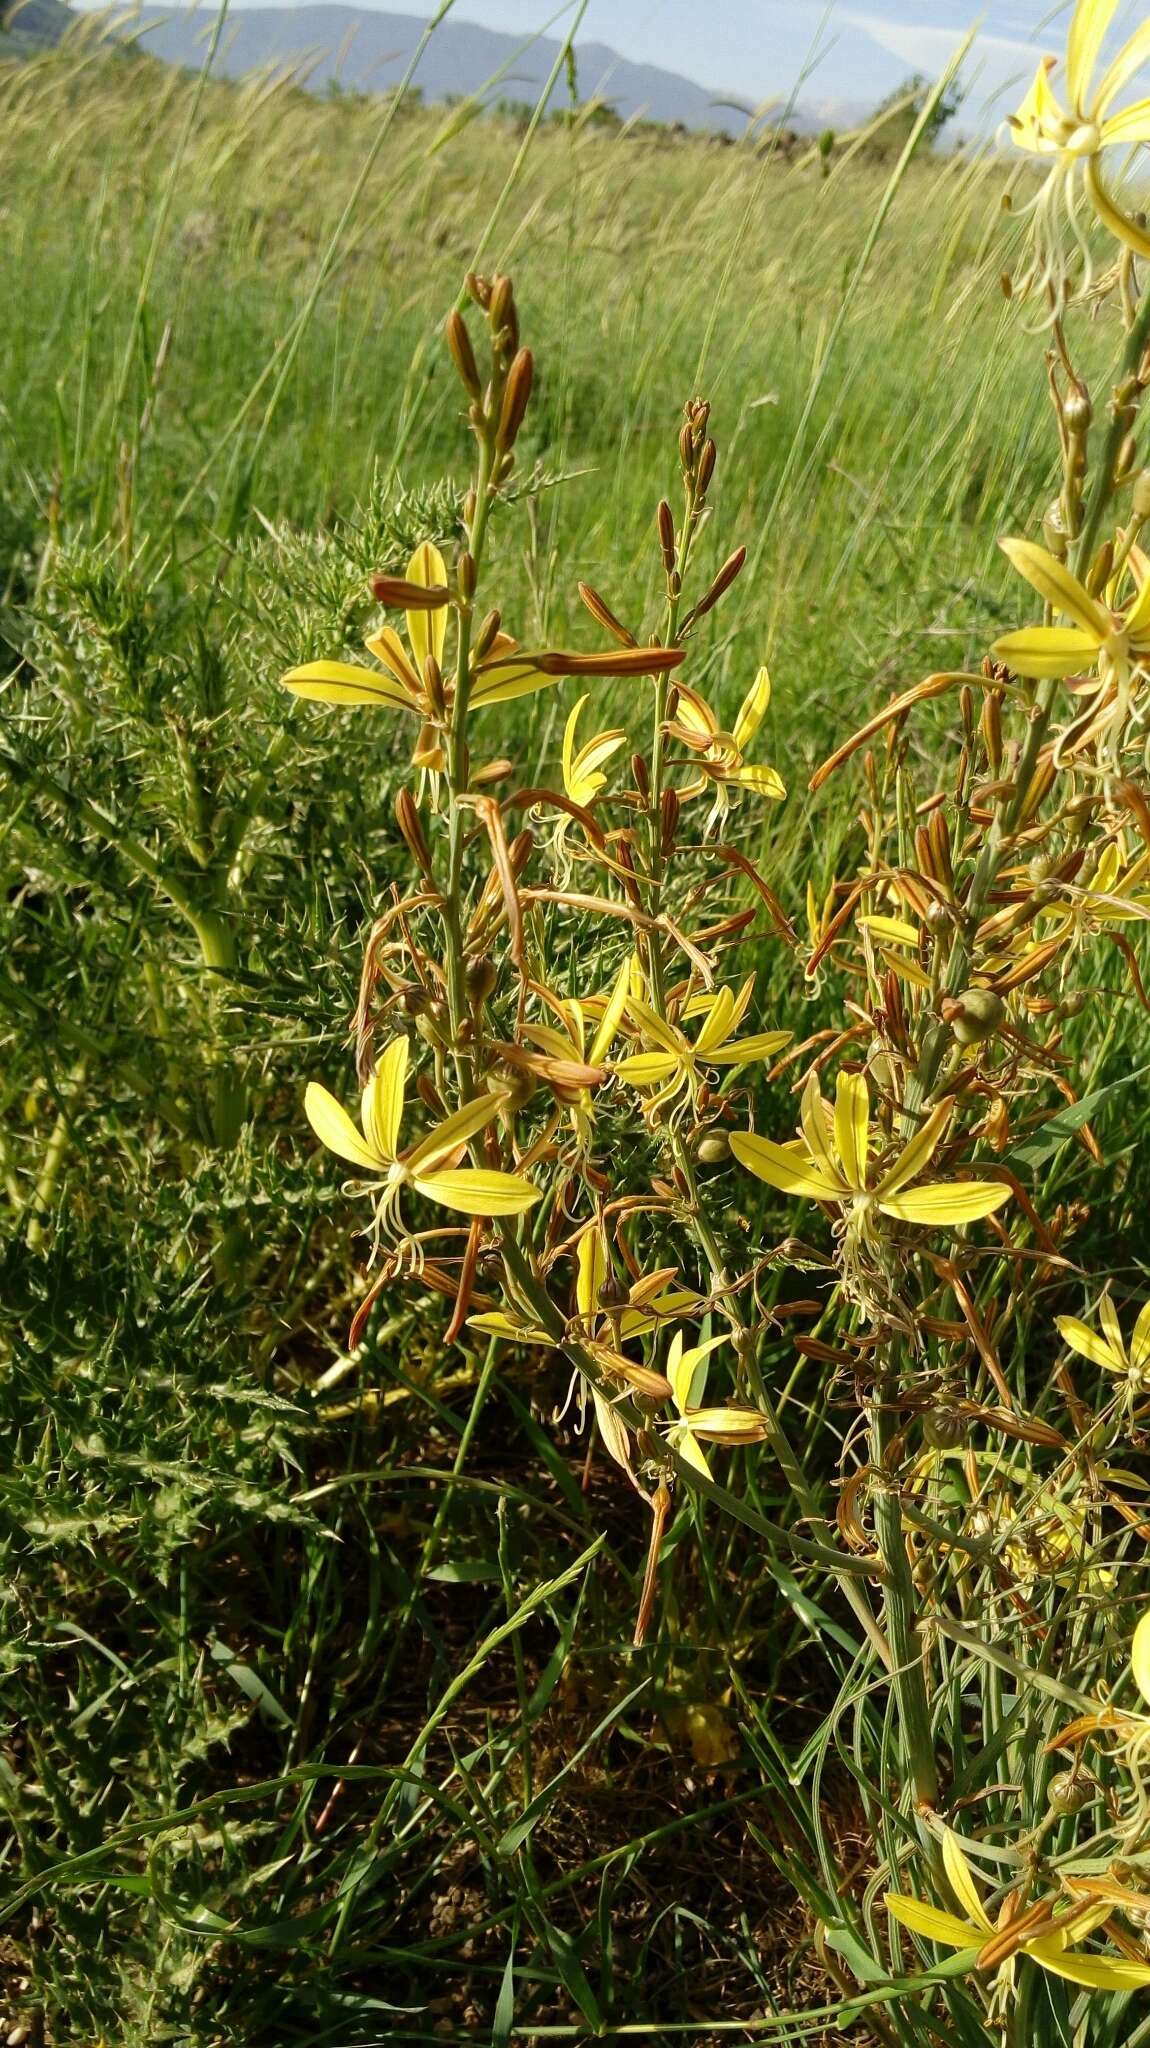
(1070, 1791)
(713, 1147)
(977, 1014)
(944, 1427)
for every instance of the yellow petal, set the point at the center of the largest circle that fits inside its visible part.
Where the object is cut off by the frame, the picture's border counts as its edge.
(787, 1171)
(474, 1191)
(427, 631)
(759, 1046)
(1140, 1657)
(1054, 582)
(728, 1425)
(494, 1323)
(1120, 224)
(383, 1099)
(918, 1153)
(613, 1431)
(455, 1130)
(962, 1880)
(1133, 123)
(334, 1128)
(1032, 126)
(929, 1920)
(1088, 26)
(502, 681)
(1140, 1340)
(1098, 1973)
(815, 1118)
(714, 1028)
(752, 710)
(957, 1201)
(612, 1016)
(338, 682)
(1111, 1327)
(695, 713)
(591, 1271)
(569, 731)
(1039, 652)
(893, 929)
(763, 780)
(682, 1440)
(645, 1069)
(653, 1027)
(852, 1116)
(1135, 52)
(390, 651)
(1088, 1343)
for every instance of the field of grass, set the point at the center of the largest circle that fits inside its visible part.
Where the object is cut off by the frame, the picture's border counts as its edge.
(320, 1721)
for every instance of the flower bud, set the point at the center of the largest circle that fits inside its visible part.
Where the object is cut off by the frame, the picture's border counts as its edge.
(1141, 495)
(463, 355)
(411, 826)
(707, 466)
(669, 819)
(601, 611)
(465, 572)
(722, 582)
(487, 634)
(666, 524)
(516, 393)
(642, 779)
(479, 289)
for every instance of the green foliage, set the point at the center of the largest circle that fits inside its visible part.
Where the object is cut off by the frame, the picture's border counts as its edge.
(243, 1569)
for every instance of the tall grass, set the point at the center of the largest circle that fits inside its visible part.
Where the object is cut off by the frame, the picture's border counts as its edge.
(261, 1591)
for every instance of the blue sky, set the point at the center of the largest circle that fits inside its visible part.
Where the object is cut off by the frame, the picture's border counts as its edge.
(856, 49)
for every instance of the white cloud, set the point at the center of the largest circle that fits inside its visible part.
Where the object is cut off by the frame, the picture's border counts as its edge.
(995, 64)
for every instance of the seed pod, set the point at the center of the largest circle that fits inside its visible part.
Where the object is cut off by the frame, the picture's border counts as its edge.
(1054, 530)
(713, 1147)
(513, 1082)
(1141, 495)
(944, 1427)
(1077, 410)
(463, 355)
(516, 393)
(481, 978)
(612, 1293)
(975, 1015)
(1069, 1791)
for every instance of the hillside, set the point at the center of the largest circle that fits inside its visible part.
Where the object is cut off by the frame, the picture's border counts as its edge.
(366, 51)
(34, 24)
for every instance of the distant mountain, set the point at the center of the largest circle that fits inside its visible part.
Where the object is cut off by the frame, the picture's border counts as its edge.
(33, 26)
(368, 52)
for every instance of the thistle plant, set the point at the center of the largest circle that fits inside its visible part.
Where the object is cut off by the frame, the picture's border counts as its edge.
(568, 969)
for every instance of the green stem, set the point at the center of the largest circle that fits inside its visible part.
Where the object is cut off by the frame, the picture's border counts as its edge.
(900, 1604)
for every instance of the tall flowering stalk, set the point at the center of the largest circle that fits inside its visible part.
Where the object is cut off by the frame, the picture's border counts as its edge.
(960, 947)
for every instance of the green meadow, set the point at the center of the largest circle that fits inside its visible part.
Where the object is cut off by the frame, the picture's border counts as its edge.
(320, 1722)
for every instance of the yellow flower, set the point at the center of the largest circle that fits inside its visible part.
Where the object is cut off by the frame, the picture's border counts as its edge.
(1070, 139)
(1117, 643)
(413, 681)
(675, 1063)
(721, 755)
(831, 1162)
(687, 1372)
(1054, 1949)
(583, 776)
(1109, 1350)
(568, 1040)
(428, 1167)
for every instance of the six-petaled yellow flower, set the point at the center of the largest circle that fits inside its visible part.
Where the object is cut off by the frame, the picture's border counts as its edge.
(1109, 1349)
(721, 756)
(430, 1168)
(832, 1162)
(1055, 1948)
(412, 680)
(675, 1061)
(1069, 140)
